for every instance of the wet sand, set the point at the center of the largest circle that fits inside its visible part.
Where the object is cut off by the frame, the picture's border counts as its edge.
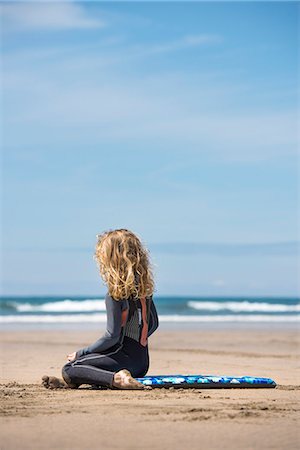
(36, 418)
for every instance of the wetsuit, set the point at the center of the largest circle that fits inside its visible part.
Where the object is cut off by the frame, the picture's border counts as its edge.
(123, 346)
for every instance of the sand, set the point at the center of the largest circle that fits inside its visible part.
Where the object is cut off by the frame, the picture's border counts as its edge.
(37, 418)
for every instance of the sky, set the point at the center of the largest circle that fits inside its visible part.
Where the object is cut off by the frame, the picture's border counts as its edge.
(175, 120)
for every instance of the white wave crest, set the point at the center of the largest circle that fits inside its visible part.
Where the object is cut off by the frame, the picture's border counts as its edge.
(231, 318)
(49, 318)
(244, 306)
(101, 318)
(64, 306)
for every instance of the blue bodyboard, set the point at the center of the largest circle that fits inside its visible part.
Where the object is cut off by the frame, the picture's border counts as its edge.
(205, 382)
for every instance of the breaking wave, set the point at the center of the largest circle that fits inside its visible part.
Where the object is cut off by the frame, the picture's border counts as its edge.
(242, 307)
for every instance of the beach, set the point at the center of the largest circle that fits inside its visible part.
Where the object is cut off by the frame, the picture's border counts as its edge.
(36, 418)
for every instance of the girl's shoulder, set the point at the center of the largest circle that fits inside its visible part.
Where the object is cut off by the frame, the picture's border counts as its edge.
(109, 300)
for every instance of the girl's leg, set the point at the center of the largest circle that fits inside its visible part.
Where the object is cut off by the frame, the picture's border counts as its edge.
(77, 374)
(110, 370)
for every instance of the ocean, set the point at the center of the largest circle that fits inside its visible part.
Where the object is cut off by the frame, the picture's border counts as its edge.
(180, 310)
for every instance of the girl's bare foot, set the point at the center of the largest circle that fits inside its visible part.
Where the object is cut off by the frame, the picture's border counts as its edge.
(124, 380)
(53, 383)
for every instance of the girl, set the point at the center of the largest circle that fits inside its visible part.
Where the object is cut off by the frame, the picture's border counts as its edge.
(122, 352)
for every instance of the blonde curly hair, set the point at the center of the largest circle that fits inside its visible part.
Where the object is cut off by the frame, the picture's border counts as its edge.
(124, 264)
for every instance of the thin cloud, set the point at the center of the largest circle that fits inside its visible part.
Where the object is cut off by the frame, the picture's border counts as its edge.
(184, 109)
(89, 54)
(156, 108)
(231, 249)
(47, 16)
(288, 248)
(183, 43)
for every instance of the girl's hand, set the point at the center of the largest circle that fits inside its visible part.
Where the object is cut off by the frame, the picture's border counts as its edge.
(71, 356)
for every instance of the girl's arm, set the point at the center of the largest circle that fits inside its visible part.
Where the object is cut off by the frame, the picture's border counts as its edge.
(113, 329)
(153, 320)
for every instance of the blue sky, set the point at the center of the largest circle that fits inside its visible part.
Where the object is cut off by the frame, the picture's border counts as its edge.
(175, 120)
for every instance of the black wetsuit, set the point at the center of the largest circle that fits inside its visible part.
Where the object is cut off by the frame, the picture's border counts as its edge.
(123, 346)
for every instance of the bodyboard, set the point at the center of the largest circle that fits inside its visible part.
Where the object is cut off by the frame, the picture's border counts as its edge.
(205, 382)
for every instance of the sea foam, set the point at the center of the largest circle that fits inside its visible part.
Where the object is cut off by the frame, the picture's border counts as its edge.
(243, 306)
(63, 306)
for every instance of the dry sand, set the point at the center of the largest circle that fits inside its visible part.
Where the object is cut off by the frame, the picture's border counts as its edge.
(85, 419)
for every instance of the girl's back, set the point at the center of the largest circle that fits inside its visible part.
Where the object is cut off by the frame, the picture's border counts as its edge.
(139, 319)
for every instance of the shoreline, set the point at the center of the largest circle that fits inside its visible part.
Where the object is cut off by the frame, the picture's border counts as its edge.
(164, 326)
